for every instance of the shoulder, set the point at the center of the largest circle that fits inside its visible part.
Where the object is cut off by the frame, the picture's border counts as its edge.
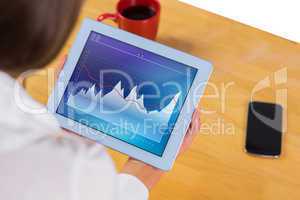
(22, 119)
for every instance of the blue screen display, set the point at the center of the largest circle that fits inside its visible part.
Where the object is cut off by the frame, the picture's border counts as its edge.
(127, 92)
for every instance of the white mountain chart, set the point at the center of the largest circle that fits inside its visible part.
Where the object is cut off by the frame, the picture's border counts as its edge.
(115, 108)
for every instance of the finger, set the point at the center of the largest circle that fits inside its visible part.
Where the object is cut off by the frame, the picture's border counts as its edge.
(190, 135)
(197, 120)
(191, 123)
(188, 140)
(191, 132)
(61, 64)
(195, 124)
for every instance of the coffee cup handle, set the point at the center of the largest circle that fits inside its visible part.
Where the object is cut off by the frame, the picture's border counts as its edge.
(105, 16)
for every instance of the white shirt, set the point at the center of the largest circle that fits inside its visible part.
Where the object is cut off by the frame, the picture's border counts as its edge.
(35, 164)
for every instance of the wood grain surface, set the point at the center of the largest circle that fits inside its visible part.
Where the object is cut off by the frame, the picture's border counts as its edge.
(216, 166)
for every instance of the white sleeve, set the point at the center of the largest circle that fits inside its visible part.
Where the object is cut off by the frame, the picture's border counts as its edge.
(94, 177)
(63, 170)
(131, 188)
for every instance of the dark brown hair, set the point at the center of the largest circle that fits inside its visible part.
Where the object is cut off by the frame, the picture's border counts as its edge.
(33, 31)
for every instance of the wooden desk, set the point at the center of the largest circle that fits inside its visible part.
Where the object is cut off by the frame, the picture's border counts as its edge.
(216, 166)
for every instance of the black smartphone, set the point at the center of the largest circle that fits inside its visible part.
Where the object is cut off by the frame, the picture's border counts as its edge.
(264, 129)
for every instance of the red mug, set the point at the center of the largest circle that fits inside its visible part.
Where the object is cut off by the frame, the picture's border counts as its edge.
(147, 28)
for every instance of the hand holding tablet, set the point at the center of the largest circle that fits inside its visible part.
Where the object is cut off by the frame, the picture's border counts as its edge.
(149, 175)
(129, 93)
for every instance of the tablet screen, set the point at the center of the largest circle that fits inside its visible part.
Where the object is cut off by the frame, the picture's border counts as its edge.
(127, 92)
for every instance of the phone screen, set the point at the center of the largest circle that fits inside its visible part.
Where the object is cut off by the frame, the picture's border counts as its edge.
(264, 129)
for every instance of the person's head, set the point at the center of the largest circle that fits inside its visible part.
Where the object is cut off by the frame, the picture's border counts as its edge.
(33, 31)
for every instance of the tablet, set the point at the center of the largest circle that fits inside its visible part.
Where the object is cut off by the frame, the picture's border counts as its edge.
(129, 93)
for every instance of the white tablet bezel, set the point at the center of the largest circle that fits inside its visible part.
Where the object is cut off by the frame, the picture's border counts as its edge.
(166, 161)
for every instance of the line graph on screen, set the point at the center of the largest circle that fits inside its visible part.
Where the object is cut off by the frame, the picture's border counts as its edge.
(115, 107)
